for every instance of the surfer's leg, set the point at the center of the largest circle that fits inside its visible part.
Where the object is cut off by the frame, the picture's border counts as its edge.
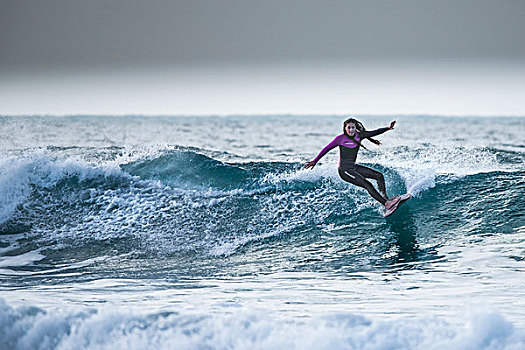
(373, 174)
(357, 179)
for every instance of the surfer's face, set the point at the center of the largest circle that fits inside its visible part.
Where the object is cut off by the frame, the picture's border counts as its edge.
(350, 129)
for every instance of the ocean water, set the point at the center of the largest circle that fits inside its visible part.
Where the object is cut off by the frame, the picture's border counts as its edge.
(207, 233)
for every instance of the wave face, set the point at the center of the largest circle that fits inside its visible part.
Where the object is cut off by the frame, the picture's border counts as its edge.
(89, 202)
(184, 204)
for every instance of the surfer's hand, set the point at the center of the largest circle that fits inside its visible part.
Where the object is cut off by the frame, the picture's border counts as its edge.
(310, 165)
(391, 127)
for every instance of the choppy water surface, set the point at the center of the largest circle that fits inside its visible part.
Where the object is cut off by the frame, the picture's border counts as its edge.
(206, 232)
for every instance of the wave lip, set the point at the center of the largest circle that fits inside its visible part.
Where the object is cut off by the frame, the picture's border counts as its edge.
(186, 168)
(19, 176)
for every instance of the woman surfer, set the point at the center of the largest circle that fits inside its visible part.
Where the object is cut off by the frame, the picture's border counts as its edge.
(349, 143)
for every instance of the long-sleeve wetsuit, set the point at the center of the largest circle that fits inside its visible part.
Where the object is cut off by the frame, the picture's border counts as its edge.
(352, 172)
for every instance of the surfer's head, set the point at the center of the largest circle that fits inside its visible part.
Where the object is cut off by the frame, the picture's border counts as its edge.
(351, 125)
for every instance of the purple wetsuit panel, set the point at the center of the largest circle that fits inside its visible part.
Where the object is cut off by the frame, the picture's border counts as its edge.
(348, 147)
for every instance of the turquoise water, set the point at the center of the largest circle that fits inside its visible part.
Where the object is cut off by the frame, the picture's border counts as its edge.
(206, 232)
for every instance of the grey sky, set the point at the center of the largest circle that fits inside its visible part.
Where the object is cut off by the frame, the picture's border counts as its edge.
(169, 57)
(95, 32)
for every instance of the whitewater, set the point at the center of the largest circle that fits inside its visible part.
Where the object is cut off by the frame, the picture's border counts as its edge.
(206, 232)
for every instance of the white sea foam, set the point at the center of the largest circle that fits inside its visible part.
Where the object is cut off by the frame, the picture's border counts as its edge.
(323, 171)
(20, 260)
(33, 328)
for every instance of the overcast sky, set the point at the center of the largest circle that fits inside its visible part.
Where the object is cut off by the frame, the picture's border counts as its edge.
(87, 32)
(41, 36)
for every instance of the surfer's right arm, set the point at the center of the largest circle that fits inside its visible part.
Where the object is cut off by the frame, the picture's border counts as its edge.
(335, 142)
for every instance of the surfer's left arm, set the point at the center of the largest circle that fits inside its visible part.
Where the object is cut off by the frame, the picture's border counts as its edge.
(379, 131)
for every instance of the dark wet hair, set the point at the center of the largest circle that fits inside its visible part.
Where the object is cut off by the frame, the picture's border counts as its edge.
(360, 128)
